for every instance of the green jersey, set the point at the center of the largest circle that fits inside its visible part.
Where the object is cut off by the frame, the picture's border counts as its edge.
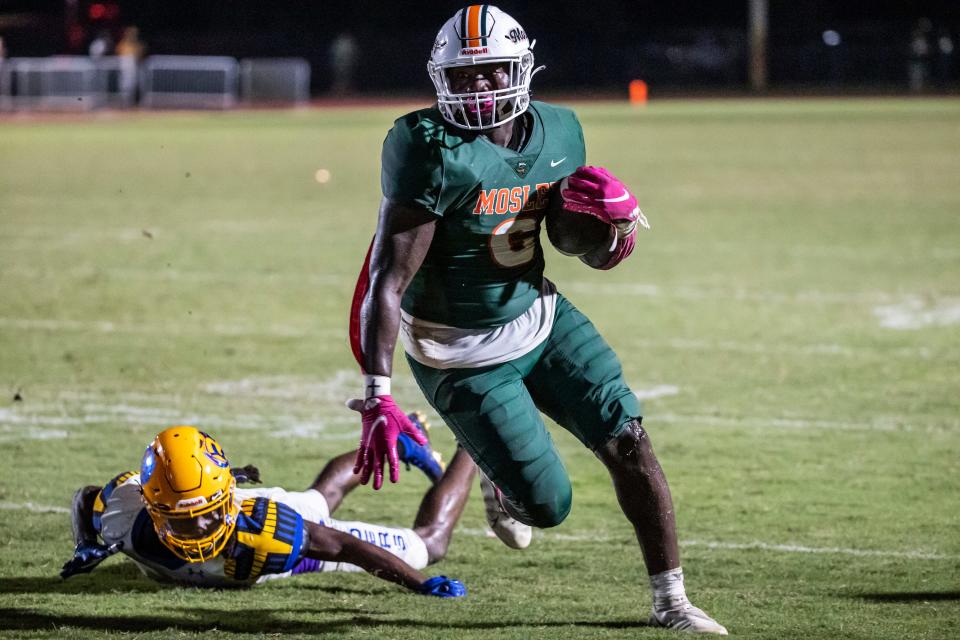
(485, 265)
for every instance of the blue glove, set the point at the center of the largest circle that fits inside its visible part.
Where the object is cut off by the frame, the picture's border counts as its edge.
(443, 587)
(87, 556)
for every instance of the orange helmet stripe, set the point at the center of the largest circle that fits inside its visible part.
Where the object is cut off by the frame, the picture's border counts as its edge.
(473, 25)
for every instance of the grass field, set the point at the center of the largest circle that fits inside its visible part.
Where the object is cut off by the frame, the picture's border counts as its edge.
(792, 319)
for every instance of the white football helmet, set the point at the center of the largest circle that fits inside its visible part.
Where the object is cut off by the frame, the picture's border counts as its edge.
(482, 34)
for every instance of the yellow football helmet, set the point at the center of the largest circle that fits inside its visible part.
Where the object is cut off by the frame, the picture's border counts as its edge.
(189, 492)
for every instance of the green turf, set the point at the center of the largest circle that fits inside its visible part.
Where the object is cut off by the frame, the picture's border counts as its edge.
(167, 268)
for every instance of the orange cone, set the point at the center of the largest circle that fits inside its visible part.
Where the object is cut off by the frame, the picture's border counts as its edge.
(638, 92)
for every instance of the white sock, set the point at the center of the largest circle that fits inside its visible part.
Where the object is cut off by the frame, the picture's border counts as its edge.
(668, 591)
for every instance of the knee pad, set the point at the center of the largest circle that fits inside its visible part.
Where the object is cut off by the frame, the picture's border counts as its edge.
(547, 506)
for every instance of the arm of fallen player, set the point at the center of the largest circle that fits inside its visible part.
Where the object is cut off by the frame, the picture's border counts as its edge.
(331, 545)
(88, 552)
(81, 515)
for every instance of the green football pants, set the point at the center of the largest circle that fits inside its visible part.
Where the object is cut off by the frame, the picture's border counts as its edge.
(574, 377)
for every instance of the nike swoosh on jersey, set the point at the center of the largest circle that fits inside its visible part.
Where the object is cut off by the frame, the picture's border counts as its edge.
(620, 198)
(554, 163)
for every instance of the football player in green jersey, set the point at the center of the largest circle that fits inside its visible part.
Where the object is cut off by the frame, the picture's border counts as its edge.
(456, 271)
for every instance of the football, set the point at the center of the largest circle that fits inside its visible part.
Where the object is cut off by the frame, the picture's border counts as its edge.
(573, 233)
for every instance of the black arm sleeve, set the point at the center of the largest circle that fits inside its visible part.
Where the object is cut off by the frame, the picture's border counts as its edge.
(81, 515)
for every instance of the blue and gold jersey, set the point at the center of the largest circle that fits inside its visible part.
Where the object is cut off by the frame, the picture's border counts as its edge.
(100, 502)
(269, 538)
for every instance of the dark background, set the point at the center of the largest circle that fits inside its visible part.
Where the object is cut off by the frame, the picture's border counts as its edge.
(593, 46)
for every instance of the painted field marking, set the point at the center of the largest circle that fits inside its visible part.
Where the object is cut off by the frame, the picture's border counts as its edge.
(338, 387)
(10, 433)
(813, 349)
(92, 408)
(336, 336)
(30, 506)
(174, 275)
(198, 329)
(28, 423)
(813, 296)
(914, 554)
(879, 423)
(277, 426)
(659, 391)
(575, 286)
(917, 313)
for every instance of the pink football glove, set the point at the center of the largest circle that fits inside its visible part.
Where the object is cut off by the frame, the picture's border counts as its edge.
(382, 421)
(596, 192)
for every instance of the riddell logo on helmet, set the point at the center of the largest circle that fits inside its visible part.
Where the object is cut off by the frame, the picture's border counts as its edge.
(191, 502)
(474, 52)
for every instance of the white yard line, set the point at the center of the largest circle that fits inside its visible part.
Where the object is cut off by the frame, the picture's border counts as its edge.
(27, 423)
(30, 506)
(173, 275)
(878, 423)
(918, 313)
(815, 349)
(338, 387)
(574, 286)
(659, 391)
(733, 294)
(334, 335)
(200, 328)
(548, 536)
(9, 433)
(78, 409)
(915, 554)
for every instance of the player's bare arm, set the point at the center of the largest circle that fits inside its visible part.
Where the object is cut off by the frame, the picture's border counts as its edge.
(404, 234)
(330, 545)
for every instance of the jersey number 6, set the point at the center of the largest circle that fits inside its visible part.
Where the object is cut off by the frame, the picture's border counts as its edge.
(513, 242)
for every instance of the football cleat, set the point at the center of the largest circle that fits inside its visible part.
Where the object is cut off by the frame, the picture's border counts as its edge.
(683, 616)
(422, 456)
(511, 532)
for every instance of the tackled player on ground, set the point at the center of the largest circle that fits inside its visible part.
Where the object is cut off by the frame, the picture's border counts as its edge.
(182, 520)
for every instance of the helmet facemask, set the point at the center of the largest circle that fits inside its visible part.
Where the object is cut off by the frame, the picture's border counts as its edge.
(199, 533)
(470, 110)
